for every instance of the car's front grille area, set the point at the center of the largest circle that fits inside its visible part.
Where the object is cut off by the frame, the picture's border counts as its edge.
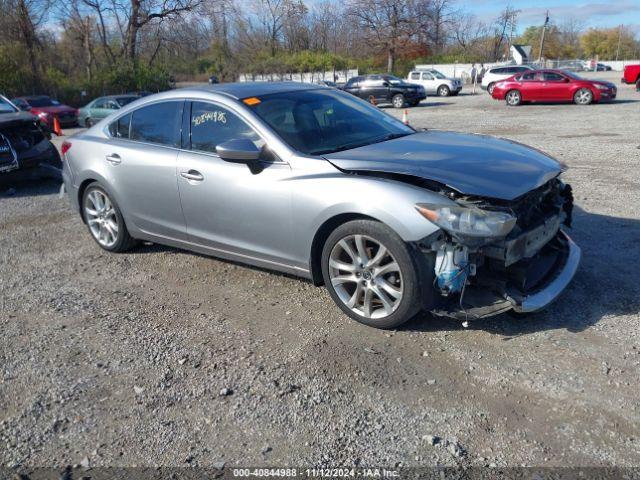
(23, 137)
(533, 208)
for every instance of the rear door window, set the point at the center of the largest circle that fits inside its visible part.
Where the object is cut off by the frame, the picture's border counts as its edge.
(553, 77)
(120, 128)
(158, 123)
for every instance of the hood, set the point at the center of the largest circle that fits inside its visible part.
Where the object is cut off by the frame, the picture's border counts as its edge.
(603, 82)
(470, 164)
(17, 118)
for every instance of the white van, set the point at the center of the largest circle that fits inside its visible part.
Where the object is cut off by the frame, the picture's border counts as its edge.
(435, 83)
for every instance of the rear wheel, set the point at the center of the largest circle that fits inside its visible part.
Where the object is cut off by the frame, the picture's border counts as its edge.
(104, 220)
(444, 91)
(638, 85)
(584, 96)
(490, 88)
(513, 98)
(88, 123)
(371, 274)
(398, 100)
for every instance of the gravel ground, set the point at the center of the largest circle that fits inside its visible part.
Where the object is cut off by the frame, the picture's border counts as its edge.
(161, 357)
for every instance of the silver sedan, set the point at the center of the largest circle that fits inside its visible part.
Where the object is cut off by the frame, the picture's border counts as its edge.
(314, 182)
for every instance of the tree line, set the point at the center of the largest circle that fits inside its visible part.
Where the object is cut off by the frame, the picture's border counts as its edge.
(112, 46)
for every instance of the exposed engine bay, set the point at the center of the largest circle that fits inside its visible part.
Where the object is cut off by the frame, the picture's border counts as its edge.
(477, 277)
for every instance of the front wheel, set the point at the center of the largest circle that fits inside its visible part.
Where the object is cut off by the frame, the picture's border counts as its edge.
(371, 274)
(88, 123)
(104, 220)
(584, 96)
(638, 85)
(398, 100)
(513, 98)
(444, 91)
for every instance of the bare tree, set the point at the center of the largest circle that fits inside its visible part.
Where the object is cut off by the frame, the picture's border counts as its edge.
(502, 28)
(386, 24)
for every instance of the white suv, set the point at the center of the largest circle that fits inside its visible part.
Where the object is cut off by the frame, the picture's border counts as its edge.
(435, 82)
(495, 74)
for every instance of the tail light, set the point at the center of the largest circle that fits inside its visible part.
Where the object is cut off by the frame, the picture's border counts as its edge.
(66, 145)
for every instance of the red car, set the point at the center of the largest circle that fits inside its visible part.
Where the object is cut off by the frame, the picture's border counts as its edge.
(552, 86)
(45, 108)
(632, 75)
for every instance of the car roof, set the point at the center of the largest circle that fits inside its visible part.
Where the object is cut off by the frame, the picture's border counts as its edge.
(239, 90)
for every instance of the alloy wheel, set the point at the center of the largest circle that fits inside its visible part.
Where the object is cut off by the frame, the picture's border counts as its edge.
(398, 101)
(584, 97)
(513, 97)
(490, 89)
(366, 276)
(443, 91)
(101, 218)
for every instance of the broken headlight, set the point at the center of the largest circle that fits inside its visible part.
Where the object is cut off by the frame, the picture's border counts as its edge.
(468, 221)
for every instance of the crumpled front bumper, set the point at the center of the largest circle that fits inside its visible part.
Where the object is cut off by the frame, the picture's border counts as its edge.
(547, 294)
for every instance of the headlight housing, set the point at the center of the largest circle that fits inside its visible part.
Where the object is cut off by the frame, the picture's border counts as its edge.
(602, 87)
(468, 221)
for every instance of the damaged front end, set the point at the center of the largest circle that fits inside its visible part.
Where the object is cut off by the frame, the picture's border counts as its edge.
(491, 256)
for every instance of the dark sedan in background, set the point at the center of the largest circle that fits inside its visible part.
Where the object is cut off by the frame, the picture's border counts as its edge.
(23, 143)
(386, 89)
(552, 86)
(46, 108)
(102, 107)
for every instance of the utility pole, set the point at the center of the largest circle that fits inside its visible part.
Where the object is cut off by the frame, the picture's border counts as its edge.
(544, 29)
(619, 39)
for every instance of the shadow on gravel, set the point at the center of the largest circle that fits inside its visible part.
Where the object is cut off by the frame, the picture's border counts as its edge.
(14, 185)
(606, 284)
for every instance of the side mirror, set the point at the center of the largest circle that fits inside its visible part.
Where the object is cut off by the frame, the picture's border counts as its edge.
(386, 84)
(238, 150)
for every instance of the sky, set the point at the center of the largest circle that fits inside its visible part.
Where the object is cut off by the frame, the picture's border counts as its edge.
(599, 13)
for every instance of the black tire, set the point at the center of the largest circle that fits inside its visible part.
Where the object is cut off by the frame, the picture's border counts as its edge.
(490, 88)
(513, 98)
(584, 96)
(88, 123)
(638, 85)
(398, 100)
(124, 241)
(411, 272)
(443, 91)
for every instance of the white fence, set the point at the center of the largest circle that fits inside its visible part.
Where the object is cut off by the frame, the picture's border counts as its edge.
(339, 76)
(463, 70)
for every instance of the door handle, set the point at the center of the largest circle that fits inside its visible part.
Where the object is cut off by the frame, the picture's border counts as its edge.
(114, 159)
(193, 175)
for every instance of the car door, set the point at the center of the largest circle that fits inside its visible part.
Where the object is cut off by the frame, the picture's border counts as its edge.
(233, 207)
(98, 109)
(429, 82)
(555, 87)
(141, 158)
(532, 86)
(374, 87)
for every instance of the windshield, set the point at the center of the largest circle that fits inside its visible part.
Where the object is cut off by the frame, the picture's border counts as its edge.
(437, 74)
(572, 75)
(317, 122)
(394, 80)
(42, 102)
(6, 107)
(122, 101)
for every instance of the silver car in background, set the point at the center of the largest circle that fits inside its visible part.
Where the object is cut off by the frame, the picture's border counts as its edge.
(317, 183)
